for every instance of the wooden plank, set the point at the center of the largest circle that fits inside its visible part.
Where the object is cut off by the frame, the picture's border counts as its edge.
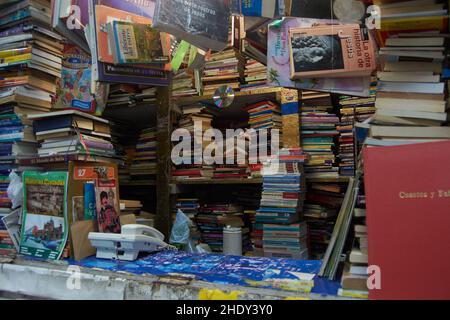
(163, 221)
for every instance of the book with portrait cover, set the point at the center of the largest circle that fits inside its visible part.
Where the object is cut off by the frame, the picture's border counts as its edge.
(331, 51)
(408, 220)
(203, 23)
(135, 43)
(108, 209)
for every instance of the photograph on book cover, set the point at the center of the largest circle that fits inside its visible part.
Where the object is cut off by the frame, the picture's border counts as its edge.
(108, 208)
(44, 229)
(316, 53)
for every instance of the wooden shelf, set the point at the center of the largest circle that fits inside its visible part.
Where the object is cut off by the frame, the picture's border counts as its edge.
(138, 183)
(243, 97)
(328, 180)
(217, 181)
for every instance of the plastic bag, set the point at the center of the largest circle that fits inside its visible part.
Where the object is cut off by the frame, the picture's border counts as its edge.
(15, 190)
(181, 230)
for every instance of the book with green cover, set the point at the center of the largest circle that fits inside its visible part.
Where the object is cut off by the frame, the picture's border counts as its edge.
(134, 43)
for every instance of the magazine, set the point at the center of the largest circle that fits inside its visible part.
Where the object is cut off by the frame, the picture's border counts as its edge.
(45, 226)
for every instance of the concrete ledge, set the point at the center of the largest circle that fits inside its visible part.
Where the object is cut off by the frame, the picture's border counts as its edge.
(56, 281)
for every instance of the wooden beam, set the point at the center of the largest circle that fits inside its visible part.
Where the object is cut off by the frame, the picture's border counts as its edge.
(163, 205)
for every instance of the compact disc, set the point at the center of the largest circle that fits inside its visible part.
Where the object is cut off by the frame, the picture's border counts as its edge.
(224, 96)
(349, 10)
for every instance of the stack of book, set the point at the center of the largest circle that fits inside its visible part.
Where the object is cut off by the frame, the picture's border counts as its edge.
(196, 120)
(347, 149)
(264, 115)
(256, 234)
(411, 104)
(31, 63)
(318, 132)
(126, 95)
(213, 218)
(282, 201)
(183, 85)
(230, 172)
(5, 202)
(189, 206)
(6, 243)
(144, 165)
(72, 135)
(286, 241)
(255, 75)
(322, 204)
(221, 69)
(354, 278)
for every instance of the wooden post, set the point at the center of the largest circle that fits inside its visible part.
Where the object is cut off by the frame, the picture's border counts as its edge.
(163, 209)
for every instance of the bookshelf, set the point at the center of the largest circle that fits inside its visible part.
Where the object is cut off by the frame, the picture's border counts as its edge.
(217, 182)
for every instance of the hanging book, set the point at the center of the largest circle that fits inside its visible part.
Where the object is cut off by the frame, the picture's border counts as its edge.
(203, 23)
(108, 209)
(331, 51)
(134, 43)
(45, 226)
(74, 91)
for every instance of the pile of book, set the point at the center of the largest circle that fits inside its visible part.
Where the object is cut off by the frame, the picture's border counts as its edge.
(318, 133)
(264, 115)
(230, 172)
(354, 278)
(144, 165)
(411, 104)
(7, 247)
(183, 85)
(127, 95)
(256, 234)
(73, 135)
(255, 75)
(286, 241)
(196, 120)
(221, 69)
(355, 111)
(322, 204)
(281, 204)
(31, 62)
(213, 218)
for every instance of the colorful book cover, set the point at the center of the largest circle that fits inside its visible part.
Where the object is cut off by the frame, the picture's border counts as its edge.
(141, 8)
(278, 63)
(74, 90)
(337, 50)
(90, 212)
(134, 43)
(105, 15)
(260, 8)
(107, 204)
(45, 227)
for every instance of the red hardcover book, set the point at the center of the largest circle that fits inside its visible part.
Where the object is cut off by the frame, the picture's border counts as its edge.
(408, 219)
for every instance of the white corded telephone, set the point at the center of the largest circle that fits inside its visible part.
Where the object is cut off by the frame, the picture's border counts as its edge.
(127, 245)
